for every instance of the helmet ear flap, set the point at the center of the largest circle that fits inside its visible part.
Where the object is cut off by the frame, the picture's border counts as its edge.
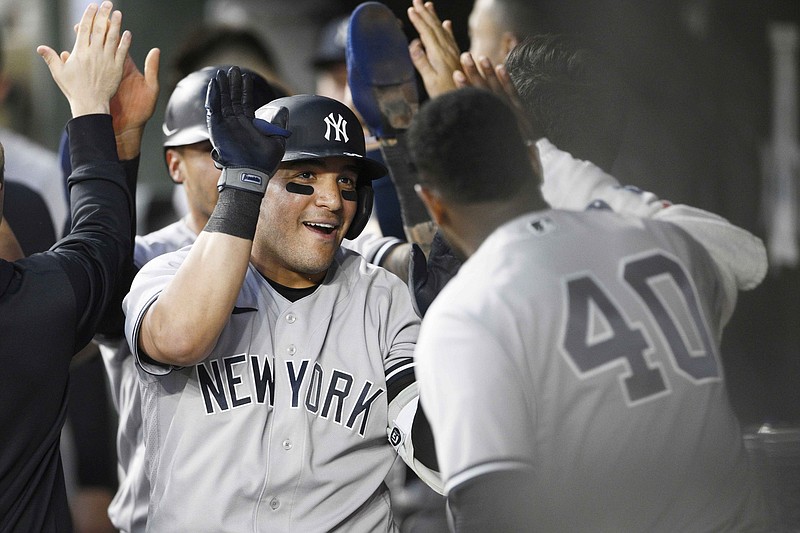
(366, 196)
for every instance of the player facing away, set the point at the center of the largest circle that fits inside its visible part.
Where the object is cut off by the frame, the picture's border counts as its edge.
(273, 363)
(571, 369)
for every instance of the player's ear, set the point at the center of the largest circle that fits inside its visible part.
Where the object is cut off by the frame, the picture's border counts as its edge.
(507, 42)
(173, 158)
(432, 201)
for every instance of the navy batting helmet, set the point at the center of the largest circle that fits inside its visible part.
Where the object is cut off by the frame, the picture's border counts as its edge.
(324, 127)
(185, 116)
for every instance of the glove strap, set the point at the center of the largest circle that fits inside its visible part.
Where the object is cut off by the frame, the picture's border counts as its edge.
(243, 179)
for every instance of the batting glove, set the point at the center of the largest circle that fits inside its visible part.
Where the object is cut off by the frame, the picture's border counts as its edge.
(247, 149)
(428, 276)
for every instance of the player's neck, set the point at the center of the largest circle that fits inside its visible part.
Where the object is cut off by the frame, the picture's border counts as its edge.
(470, 225)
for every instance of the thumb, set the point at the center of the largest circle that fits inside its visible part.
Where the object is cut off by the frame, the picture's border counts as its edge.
(49, 55)
(151, 64)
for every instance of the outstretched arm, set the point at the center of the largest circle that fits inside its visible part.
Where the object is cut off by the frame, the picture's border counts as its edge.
(94, 252)
(182, 326)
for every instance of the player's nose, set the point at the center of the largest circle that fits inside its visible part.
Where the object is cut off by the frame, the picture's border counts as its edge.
(327, 191)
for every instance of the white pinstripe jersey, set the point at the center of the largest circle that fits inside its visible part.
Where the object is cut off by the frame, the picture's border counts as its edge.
(583, 347)
(284, 426)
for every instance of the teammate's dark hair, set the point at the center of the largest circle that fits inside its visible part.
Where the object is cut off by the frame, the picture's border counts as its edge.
(572, 92)
(467, 144)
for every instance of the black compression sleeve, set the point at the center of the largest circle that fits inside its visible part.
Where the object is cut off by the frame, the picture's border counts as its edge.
(236, 213)
(112, 325)
(422, 437)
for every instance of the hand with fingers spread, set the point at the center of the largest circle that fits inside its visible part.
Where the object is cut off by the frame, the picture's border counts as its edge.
(435, 53)
(248, 149)
(90, 75)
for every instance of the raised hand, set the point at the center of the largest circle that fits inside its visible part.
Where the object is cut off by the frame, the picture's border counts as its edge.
(435, 54)
(90, 74)
(134, 103)
(240, 140)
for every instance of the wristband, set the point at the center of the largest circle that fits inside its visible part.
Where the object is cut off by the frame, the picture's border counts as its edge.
(236, 213)
(245, 179)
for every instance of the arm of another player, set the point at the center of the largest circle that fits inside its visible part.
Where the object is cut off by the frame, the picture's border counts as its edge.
(408, 431)
(131, 107)
(134, 104)
(182, 326)
(478, 404)
(570, 183)
(100, 239)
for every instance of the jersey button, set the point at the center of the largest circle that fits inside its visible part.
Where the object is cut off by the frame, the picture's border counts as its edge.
(274, 503)
(291, 318)
(287, 444)
(291, 350)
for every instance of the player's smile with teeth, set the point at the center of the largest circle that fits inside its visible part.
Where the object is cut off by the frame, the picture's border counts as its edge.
(323, 227)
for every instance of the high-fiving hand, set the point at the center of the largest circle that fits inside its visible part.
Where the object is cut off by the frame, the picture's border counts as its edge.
(242, 142)
(90, 75)
(435, 54)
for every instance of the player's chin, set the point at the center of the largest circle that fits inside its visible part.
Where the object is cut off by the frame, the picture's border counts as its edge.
(314, 262)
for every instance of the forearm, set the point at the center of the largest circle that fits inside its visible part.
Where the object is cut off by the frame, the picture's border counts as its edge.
(129, 143)
(99, 244)
(93, 157)
(397, 259)
(418, 226)
(182, 326)
(574, 184)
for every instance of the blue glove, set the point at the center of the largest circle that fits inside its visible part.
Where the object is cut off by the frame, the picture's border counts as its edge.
(247, 149)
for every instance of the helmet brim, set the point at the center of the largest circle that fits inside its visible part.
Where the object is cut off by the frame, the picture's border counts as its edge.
(368, 169)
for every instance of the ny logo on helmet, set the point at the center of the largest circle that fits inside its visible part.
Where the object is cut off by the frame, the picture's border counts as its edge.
(339, 126)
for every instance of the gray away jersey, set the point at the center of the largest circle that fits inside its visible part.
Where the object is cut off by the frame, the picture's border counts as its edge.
(583, 347)
(284, 425)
